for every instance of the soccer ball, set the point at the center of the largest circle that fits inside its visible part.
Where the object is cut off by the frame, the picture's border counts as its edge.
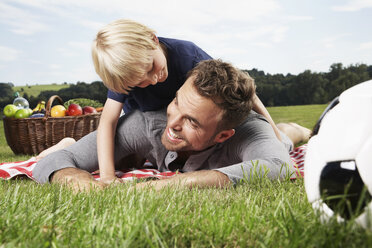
(338, 161)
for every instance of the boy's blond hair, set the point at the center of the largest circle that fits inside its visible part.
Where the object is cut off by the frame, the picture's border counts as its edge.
(121, 53)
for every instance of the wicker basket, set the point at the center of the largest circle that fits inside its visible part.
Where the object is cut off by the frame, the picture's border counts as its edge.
(33, 135)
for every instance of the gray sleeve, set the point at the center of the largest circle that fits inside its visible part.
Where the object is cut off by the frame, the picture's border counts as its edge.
(260, 153)
(83, 154)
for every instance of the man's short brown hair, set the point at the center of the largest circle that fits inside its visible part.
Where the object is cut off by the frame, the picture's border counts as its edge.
(228, 87)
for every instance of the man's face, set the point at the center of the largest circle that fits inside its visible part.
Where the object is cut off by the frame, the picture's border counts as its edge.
(191, 121)
(157, 71)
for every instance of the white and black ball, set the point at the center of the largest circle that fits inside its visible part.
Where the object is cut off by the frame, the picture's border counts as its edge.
(338, 161)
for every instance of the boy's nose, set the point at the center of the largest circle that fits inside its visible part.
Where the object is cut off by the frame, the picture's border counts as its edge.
(154, 79)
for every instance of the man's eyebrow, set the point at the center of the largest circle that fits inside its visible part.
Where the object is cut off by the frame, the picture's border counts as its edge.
(188, 116)
(193, 120)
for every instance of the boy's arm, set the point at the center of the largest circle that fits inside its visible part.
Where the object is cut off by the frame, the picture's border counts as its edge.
(106, 140)
(260, 108)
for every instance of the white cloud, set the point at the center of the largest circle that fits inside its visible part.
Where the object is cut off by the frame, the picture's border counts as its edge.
(54, 66)
(365, 46)
(263, 44)
(92, 24)
(21, 21)
(80, 45)
(67, 52)
(332, 41)
(176, 12)
(8, 54)
(353, 5)
(299, 18)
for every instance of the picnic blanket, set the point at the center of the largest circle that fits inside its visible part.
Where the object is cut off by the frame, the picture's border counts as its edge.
(11, 170)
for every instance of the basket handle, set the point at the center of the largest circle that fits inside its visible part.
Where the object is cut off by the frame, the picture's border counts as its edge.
(49, 104)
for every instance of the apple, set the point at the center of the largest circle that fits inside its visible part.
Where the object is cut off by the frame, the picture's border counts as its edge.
(89, 110)
(74, 109)
(58, 111)
(29, 111)
(22, 113)
(10, 110)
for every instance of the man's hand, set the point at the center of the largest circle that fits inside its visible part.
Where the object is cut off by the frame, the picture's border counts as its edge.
(76, 179)
(201, 179)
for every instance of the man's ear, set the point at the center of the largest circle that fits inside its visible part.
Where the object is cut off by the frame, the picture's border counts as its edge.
(224, 135)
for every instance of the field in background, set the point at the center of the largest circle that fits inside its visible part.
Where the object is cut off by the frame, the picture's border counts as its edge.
(306, 115)
(34, 90)
(255, 213)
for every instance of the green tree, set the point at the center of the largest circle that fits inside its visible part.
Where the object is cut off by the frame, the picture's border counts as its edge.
(6, 94)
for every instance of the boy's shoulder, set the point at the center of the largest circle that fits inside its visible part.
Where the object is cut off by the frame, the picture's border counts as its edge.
(176, 42)
(182, 47)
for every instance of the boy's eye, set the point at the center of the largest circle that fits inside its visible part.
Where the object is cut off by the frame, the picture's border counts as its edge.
(152, 67)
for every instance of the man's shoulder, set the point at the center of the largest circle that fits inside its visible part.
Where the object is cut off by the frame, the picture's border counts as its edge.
(253, 119)
(253, 127)
(142, 127)
(139, 119)
(156, 116)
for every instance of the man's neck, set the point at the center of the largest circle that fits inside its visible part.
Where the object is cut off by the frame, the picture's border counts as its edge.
(182, 156)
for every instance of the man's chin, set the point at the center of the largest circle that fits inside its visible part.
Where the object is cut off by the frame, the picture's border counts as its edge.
(169, 146)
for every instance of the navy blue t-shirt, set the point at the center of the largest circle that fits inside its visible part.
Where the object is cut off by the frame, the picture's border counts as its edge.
(182, 57)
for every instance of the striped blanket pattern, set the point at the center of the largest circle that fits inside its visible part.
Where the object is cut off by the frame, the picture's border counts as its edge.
(10, 170)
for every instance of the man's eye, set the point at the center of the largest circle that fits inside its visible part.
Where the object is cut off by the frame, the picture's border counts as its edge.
(192, 123)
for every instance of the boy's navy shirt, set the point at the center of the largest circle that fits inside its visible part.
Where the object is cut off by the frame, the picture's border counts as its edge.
(182, 56)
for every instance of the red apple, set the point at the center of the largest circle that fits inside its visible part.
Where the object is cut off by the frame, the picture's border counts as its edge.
(89, 110)
(74, 109)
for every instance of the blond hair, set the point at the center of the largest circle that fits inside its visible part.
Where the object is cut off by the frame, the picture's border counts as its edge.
(121, 53)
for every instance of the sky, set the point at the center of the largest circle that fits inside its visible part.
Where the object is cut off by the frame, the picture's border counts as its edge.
(49, 41)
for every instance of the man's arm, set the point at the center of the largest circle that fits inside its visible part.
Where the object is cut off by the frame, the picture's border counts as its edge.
(200, 179)
(259, 151)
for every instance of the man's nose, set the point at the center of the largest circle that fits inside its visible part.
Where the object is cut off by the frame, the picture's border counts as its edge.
(175, 121)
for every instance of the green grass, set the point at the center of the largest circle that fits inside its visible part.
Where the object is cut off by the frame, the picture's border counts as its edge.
(306, 116)
(260, 213)
(34, 90)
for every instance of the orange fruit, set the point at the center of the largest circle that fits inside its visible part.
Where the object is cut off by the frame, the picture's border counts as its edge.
(58, 111)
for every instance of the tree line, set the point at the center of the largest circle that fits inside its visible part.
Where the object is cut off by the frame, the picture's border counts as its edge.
(308, 87)
(273, 89)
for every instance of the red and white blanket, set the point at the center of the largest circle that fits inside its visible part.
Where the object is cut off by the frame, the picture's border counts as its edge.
(11, 170)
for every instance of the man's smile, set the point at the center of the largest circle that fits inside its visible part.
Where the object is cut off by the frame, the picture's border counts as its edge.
(172, 136)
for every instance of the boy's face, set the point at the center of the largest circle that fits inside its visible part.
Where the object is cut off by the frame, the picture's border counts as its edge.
(157, 71)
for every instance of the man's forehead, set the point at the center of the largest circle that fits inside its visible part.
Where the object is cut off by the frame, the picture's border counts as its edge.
(194, 104)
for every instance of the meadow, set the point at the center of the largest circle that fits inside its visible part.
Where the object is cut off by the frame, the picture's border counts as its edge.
(34, 90)
(255, 213)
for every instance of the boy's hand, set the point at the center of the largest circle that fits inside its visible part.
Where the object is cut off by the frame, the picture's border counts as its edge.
(111, 180)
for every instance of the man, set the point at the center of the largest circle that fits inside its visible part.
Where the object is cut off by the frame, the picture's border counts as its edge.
(208, 132)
